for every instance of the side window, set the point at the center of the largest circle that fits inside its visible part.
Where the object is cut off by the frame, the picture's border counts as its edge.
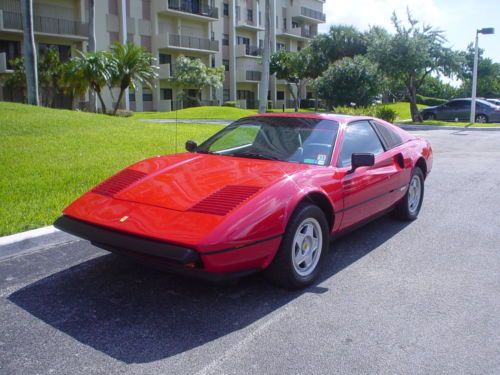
(391, 138)
(359, 137)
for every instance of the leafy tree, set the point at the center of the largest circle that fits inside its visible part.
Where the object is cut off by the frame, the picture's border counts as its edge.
(435, 88)
(295, 68)
(266, 55)
(195, 75)
(131, 65)
(410, 55)
(17, 79)
(349, 80)
(49, 76)
(93, 71)
(344, 41)
(73, 81)
(488, 74)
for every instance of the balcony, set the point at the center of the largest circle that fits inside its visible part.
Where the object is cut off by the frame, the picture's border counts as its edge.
(164, 71)
(308, 14)
(12, 21)
(244, 75)
(187, 43)
(245, 50)
(298, 33)
(247, 24)
(189, 9)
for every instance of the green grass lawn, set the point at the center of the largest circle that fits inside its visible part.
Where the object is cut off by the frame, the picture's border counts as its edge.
(49, 157)
(402, 109)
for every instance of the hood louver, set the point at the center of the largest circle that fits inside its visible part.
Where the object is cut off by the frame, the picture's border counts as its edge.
(118, 182)
(225, 200)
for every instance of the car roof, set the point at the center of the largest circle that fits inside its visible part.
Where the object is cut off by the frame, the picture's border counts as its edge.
(315, 115)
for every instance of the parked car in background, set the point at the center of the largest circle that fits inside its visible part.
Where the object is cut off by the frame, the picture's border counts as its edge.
(494, 101)
(459, 110)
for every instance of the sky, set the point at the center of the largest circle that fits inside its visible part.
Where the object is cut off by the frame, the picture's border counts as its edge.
(459, 19)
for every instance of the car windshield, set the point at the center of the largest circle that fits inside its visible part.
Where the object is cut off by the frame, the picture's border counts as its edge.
(292, 139)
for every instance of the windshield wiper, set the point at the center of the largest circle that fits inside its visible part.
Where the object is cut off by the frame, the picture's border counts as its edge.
(255, 155)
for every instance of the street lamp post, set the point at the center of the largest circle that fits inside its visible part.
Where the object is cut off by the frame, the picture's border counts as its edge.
(485, 31)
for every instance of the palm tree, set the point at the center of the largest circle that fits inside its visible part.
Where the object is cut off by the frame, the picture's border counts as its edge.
(93, 69)
(73, 82)
(91, 47)
(266, 55)
(131, 65)
(30, 59)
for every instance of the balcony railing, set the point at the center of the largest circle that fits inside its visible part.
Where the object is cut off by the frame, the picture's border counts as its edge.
(192, 42)
(253, 50)
(311, 13)
(194, 7)
(253, 75)
(48, 25)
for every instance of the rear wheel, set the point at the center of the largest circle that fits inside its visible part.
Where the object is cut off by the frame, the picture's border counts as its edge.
(429, 116)
(302, 250)
(482, 119)
(409, 207)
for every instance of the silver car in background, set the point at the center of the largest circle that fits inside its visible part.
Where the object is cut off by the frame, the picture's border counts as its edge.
(459, 110)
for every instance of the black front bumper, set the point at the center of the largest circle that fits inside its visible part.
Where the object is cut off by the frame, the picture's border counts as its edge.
(158, 254)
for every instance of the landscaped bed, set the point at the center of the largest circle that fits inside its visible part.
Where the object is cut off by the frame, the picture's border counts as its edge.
(48, 157)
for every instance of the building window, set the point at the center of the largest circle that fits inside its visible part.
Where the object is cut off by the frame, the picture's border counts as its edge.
(147, 96)
(225, 39)
(250, 15)
(113, 7)
(284, 24)
(166, 94)
(280, 46)
(295, 25)
(164, 58)
(64, 52)
(225, 95)
(226, 64)
(146, 10)
(11, 50)
(213, 61)
(280, 95)
(226, 9)
(131, 96)
(146, 42)
(113, 37)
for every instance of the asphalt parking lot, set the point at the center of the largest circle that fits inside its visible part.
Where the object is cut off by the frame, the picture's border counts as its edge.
(395, 298)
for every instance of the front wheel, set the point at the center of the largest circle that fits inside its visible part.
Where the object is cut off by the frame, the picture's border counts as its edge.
(303, 248)
(409, 207)
(482, 119)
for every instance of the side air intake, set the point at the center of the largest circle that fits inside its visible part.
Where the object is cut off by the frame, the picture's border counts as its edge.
(224, 200)
(118, 182)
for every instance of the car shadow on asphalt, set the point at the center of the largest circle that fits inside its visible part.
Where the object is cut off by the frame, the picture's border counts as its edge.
(139, 315)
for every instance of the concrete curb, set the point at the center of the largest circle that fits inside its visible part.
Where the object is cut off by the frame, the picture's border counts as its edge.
(32, 241)
(438, 127)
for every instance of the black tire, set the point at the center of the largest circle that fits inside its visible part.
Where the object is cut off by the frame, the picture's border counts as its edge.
(430, 116)
(404, 210)
(282, 270)
(482, 119)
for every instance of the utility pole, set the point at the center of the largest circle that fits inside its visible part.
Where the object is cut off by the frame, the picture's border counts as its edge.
(486, 31)
(30, 55)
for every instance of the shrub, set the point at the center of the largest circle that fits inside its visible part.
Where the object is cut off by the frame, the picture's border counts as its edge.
(231, 104)
(386, 113)
(430, 101)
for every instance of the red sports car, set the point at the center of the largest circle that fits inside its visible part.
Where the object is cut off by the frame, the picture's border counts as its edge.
(266, 193)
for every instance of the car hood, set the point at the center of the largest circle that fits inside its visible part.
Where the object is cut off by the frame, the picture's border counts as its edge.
(429, 108)
(184, 181)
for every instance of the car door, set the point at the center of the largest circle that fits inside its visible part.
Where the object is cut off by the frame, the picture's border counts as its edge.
(366, 191)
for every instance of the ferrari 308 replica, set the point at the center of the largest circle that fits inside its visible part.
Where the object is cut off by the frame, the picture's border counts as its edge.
(266, 193)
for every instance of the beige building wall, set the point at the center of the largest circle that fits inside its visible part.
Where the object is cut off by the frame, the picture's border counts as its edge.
(229, 32)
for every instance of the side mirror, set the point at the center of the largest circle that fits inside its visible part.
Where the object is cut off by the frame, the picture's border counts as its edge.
(361, 160)
(191, 146)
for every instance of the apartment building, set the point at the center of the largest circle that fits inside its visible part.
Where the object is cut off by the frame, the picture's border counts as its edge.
(219, 32)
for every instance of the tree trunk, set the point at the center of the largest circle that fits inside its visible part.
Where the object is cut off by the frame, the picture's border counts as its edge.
(415, 114)
(103, 105)
(92, 48)
(119, 100)
(299, 96)
(266, 56)
(30, 55)
(290, 90)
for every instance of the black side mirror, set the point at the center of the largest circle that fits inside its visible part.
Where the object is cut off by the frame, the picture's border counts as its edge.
(361, 160)
(191, 146)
